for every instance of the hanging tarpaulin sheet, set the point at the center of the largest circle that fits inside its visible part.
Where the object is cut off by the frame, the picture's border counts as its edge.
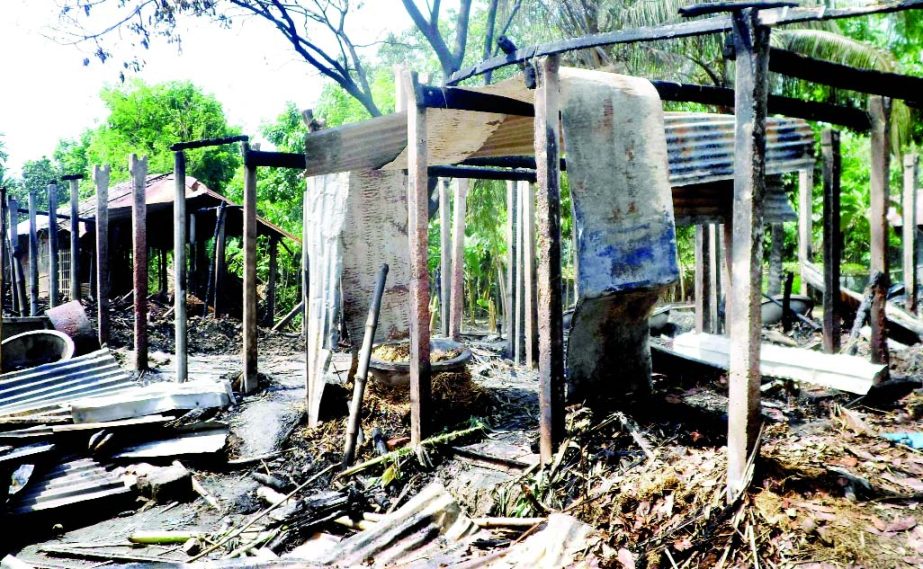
(325, 213)
(375, 232)
(617, 167)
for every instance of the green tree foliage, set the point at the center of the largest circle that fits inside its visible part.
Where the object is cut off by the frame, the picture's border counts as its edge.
(147, 119)
(36, 175)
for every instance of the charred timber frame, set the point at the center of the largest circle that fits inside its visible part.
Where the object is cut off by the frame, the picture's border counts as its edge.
(53, 286)
(830, 145)
(751, 40)
(74, 180)
(548, 248)
(249, 381)
(445, 254)
(417, 232)
(805, 232)
(33, 257)
(880, 111)
(179, 266)
(101, 180)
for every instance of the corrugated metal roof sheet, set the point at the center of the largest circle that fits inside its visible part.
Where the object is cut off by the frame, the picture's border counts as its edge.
(69, 483)
(49, 386)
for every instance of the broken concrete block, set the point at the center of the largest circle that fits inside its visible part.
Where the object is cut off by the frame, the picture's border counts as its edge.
(162, 483)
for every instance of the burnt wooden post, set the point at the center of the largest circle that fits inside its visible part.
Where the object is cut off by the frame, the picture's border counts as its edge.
(138, 169)
(879, 111)
(909, 203)
(101, 179)
(220, 245)
(33, 257)
(457, 294)
(75, 235)
(776, 242)
(16, 257)
(512, 222)
(179, 266)
(787, 302)
(703, 280)
(53, 285)
(805, 221)
(305, 289)
(417, 231)
(249, 378)
(751, 42)
(273, 270)
(830, 146)
(4, 256)
(192, 267)
(530, 302)
(445, 256)
(548, 216)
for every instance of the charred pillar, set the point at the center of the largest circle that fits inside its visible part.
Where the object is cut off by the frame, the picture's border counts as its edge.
(33, 257)
(880, 113)
(909, 203)
(512, 222)
(445, 256)
(53, 283)
(751, 43)
(703, 280)
(805, 211)
(830, 145)
(548, 217)
(273, 272)
(75, 235)
(417, 231)
(179, 266)
(101, 179)
(249, 380)
(457, 294)
(138, 169)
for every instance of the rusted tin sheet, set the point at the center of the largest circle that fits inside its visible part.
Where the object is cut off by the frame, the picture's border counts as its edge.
(50, 387)
(69, 483)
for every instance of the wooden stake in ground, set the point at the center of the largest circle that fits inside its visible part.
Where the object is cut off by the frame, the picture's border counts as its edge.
(457, 294)
(365, 354)
(805, 210)
(751, 42)
(548, 221)
(179, 266)
(909, 204)
(249, 383)
(830, 145)
(54, 287)
(703, 281)
(138, 169)
(101, 179)
(417, 231)
(880, 113)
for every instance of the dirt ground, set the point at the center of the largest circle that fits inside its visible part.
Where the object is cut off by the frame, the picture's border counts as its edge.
(827, 490)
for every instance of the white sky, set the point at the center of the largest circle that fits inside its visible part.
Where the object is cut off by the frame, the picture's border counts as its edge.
(47, 94)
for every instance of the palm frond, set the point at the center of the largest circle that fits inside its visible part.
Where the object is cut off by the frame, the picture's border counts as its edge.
(831, 46)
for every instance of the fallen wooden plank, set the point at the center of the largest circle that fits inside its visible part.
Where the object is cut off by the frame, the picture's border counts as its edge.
(153, 399)
(845, 373)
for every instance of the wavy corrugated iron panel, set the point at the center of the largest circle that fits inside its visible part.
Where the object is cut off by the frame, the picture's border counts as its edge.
(50, 386)
(69, 483)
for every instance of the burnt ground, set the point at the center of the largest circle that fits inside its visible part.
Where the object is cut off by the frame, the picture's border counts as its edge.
(827, 490)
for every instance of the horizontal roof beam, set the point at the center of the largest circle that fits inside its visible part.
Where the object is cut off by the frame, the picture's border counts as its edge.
(893, 85)
(694, 28)
(849, 117)
(205, 142)
(465, 100)
(480, 173)
(255, 158)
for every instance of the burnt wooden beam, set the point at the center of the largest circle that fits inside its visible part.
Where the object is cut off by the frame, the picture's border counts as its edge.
(848, 117)
(205, 142)
(880, 110)
(101, 179)
(529, 298)
(830, 146)
(512, 222)
(718, 7)
(70, 177)
(138, 170)
(249, 380)
(548, 221)
(418, 234)
(19, 277)
(270, 316)
(744, 241)
(872, 82)
(520, 162)
(256, 158)
(481, 173)
(179, 266)
(58, 216)
(703, 281)
(464, 100)
(708, 26)
(909, 205)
